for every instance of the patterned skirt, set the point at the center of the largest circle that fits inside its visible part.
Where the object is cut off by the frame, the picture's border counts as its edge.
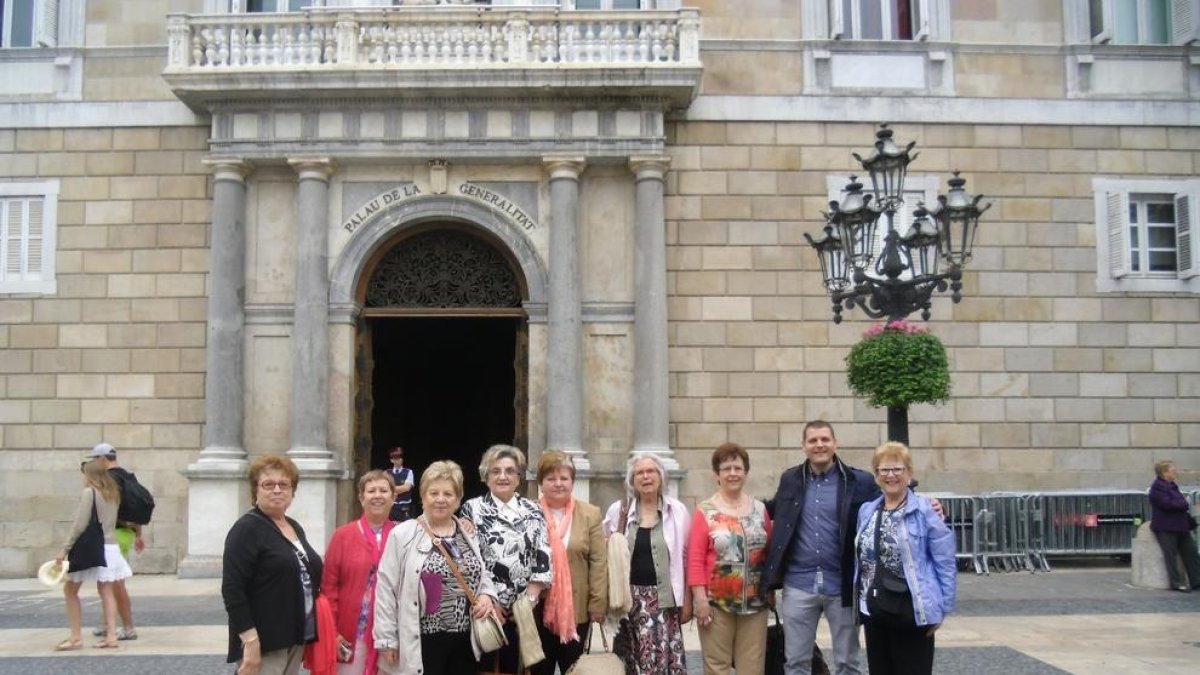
(650, 640)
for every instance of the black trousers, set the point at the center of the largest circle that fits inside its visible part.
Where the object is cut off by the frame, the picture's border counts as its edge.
(1175, 545)
(447, 654)
(557, 654)
(400, 512)
(898, 651)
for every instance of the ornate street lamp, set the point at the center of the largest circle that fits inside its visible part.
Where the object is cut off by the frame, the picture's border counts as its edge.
(907, 270)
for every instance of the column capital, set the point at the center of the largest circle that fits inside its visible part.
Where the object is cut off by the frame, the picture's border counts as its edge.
(652, 167)
(562, 166)
(229, 168)
(312, 168)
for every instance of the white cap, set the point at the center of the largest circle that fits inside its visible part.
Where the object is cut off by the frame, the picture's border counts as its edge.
(102, 450)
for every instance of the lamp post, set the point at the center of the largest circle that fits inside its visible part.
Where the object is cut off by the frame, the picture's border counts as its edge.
(902, 277)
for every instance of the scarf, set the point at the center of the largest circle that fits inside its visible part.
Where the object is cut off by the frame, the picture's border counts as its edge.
(320, 656)
(560, 603)
(376, 548)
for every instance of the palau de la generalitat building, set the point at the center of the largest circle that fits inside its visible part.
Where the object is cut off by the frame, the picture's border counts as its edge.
(234, 227)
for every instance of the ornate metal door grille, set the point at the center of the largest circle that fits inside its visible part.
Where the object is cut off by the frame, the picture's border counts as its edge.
(443, 269)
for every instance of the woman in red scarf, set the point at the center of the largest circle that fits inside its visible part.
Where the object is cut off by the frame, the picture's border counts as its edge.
(578, 559)
(351, 564)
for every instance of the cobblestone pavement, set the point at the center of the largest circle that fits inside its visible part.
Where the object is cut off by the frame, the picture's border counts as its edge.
(1087, 621)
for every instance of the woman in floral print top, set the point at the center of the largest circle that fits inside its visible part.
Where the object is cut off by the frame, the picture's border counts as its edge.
(513, 537)
(726, 550)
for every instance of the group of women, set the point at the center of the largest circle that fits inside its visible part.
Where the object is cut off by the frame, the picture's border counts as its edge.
(403, 597)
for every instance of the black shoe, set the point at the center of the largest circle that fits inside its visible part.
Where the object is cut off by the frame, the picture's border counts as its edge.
(1182, 589)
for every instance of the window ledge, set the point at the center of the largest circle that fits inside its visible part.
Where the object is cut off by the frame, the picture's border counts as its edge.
(41, 74)
(871, 66)
(1132, 72)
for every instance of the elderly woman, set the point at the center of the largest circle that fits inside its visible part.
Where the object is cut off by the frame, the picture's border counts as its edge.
(516, 546)
(906, 573)
(726, 551)
(650, 638)
(1172, 523)
(101, 497)
(271, 576)
(422, 613)
(579, 562)
(351, 569)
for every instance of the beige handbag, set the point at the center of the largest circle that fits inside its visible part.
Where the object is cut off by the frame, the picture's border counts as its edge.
(619, 599)
(604, 663)
(487, 635)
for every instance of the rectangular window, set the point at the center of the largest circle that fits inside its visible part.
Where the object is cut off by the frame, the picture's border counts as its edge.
(1146, 232)
(270, 6)
(28, 219)
(608, 4)
(880, 19)
(1136, 22)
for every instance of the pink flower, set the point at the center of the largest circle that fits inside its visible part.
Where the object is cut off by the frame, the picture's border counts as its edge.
(898, 326)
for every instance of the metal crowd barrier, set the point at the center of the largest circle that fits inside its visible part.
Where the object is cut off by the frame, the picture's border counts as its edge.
(961, 513)
(1080, 522)
(1009, 542)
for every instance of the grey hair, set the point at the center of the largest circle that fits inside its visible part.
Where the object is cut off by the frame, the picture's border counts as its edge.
(658, 464)
(498, 452)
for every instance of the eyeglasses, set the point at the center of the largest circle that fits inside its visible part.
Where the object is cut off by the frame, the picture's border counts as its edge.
(270, 485)
(891, 470)
(732, 468)
(506, 471)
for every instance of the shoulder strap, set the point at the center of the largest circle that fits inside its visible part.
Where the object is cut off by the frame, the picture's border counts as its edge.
(437, 541)
(622, 520)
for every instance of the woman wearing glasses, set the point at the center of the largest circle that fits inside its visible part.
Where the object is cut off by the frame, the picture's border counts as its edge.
(422, 612)
(516, 546)
(905, 573)
(271, 576)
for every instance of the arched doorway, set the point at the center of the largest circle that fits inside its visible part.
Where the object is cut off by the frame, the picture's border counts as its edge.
(442, 356)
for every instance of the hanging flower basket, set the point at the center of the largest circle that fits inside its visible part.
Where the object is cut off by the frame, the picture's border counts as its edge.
(898, 363)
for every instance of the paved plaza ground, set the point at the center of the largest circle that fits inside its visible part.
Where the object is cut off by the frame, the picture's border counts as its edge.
(1083, 620)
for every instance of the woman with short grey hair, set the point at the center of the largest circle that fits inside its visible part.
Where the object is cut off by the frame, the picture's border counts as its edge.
(650, 638)
(515, 542)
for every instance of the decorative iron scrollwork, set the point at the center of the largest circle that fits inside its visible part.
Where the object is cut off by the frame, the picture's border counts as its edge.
(443, 268)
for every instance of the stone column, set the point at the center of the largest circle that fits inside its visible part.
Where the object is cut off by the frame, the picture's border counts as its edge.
(316, 499)
(564, 362)
(651, 420)
(217, 492)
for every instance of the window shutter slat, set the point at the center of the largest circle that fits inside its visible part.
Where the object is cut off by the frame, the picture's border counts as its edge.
(1117, 219)
(1183, 21)
(1186, 253)
(34, 239)
(45, 23)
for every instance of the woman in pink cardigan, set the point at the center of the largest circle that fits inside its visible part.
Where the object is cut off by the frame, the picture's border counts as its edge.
(726, 549)
(351, 565)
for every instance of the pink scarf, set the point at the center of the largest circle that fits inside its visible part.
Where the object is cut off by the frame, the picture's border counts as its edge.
(372, 664)
(560, 603)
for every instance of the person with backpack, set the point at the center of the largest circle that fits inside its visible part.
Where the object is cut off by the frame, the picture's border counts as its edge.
(137, 505)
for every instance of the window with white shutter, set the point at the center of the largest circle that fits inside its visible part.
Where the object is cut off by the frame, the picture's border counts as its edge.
(1146, 234)
(1133, 22)
(28, 227)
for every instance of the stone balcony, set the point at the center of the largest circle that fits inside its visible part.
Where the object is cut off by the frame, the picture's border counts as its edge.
(434, 51)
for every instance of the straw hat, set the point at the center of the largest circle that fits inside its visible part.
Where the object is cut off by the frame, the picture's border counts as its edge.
(52, 572)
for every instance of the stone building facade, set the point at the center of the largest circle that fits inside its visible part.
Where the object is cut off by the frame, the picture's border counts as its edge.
(574, 224)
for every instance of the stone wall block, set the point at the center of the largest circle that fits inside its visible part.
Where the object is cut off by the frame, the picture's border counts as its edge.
(1176, 410)
(700, 435)
(1103, 436)
(80, 386)
(108, 163)
(701, 384)
(76, 436)
(1029, 409)
(106, 360)
(1077, 359)
(752, 334)
(1154, 436)
(104, 411)
(130, 386)
(699, 333)
(136, 138)
(1004, 436)
(1078, 409)
(978, 409)
(1128, 360)
(179, 385)
(1176, 360)
(130, 436)
(1103, 384)
(32, 336)
(88, 139)
(39, 385)
(1128, 410)
(39, 140)
(176, 435)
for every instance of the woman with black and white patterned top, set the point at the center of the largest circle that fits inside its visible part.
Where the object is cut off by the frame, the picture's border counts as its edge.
(422, 614)
(516, 547)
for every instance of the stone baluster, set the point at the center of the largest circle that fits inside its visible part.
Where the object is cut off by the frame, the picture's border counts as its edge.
(651, 421)
(346, 30)
(564, 362)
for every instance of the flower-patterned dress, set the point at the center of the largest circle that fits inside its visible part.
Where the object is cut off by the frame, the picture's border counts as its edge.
(514, 542)
(740, 545)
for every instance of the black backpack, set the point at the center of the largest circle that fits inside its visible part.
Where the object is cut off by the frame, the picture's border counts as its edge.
(137, 504)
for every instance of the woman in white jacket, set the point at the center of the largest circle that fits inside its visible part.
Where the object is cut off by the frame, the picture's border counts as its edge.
(422, 615)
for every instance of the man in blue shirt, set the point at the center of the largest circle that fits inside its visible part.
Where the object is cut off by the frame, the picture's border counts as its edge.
(811, 551)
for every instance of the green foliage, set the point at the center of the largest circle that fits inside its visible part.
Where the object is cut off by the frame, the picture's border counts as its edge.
(899, 367)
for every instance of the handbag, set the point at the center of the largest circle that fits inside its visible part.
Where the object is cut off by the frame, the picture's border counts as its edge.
(603, 663)
(888, 599)
(620, 601)
(487, 635)
(776, 657)
(88, 550)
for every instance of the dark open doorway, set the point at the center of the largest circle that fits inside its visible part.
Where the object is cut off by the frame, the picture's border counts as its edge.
(445, 388)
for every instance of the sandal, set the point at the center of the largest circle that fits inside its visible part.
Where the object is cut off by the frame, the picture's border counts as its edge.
(105, 644)
(69, 645)
(123, 634)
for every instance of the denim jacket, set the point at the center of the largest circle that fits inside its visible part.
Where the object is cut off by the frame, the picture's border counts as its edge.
(927, 550)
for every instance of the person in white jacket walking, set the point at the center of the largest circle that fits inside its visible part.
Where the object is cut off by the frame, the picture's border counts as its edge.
(422, 615)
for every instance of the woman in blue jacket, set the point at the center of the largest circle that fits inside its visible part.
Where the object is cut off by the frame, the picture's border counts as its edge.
(905, 577)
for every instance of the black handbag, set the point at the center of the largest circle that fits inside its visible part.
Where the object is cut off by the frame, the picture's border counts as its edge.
(776, 660)
(88, 550)
(888, 599)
